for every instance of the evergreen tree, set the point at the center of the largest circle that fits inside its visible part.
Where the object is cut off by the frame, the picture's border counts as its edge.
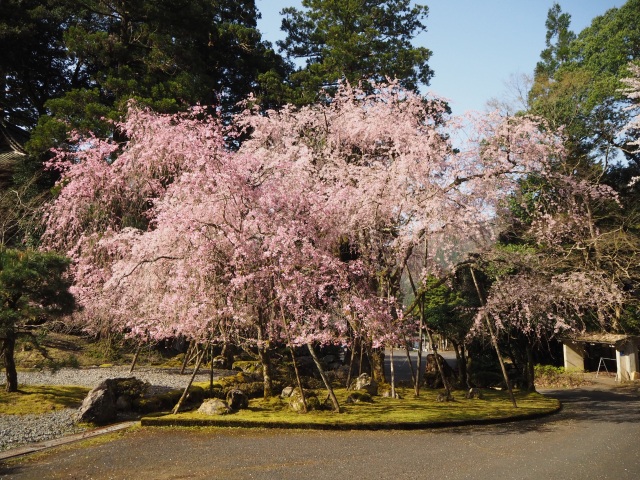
(354, 40)
(33, 286)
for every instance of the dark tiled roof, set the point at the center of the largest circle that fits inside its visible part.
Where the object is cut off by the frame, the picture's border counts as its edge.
(12, 140)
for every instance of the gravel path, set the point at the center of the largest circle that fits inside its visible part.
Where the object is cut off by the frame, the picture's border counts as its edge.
(16, 430)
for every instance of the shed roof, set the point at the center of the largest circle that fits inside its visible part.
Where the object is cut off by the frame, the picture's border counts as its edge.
(604, 338)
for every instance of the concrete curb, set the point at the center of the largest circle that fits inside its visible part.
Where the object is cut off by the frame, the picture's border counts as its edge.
(39, 446)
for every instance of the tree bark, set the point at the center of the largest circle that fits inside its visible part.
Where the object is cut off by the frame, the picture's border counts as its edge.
(461, 360)
(11, 374)
(376, 358)
(293, 359)
(327, 384)
(193, 376)
(187, 354)
(494, 340)
(393, 373)
(265, 358)
(530, 366)
(445, 383)
(135, 358)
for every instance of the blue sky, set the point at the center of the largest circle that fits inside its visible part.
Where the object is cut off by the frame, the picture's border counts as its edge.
(477, 44)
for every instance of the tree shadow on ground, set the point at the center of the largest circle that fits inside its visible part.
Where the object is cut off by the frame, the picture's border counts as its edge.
(607, 405)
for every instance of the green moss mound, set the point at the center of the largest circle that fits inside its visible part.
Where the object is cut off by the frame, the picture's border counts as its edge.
(383, 413)
(38, 399)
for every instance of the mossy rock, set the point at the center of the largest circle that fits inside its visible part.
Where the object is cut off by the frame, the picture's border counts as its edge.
(311, 399)
(168, 400)
(359, 397)
(247, 366)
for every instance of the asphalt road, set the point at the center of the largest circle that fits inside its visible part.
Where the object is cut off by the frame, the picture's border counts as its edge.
(595, 436)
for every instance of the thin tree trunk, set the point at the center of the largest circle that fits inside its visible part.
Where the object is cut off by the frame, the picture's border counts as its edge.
(416, 379)
(461, 360)
(186, 356)
(531, 375)
(494, 340)
(211, 368)
(376, 359)
(186, 390)
(445, 383)
(409, 361)
(332, 395)
(11, 374)
(293, 359)
(351, 360)
(393, 373)
(265, 359)
(135, 357)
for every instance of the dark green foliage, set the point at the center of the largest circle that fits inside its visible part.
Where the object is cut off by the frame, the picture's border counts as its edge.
(354, 41)
(167, 55)
(33, 286)
(34, 65)
(577, 83)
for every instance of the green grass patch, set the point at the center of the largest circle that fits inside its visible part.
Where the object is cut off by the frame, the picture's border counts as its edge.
(406, 412)
(38, 399)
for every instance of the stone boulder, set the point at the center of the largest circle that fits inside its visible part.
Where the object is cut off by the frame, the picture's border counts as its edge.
(432, 377)
(474, 393)
(214, 406)
(286, 392)
(237, 400)
(296, 404)
(366, 383)
(102, 404)
(359, 397)
(221, 363)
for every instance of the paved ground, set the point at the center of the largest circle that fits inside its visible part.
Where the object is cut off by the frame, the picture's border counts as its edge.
(595, 436)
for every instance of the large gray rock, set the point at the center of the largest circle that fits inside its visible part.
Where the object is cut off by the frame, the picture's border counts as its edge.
(286, 392)
(237, 400)
(101, 405)
(366, 383)
(214, 406)
(297, 405)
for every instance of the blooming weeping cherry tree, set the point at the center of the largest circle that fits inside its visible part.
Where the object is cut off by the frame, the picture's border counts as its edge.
(565, 271)
(384, 164)
(298, 236)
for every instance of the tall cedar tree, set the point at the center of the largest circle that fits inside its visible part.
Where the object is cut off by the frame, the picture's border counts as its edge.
(355, 40)
(167, 55)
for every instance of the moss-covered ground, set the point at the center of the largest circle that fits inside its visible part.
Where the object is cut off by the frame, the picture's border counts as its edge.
(407, 412)
(37, 399)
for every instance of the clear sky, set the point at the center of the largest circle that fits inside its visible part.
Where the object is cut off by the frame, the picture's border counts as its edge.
(477, 44)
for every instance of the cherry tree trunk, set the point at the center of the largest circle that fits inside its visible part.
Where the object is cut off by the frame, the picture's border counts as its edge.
(461, 360)
(327, 384)
(267, 377)
(376, 358)
(135, 358)
(11, 374)
(530, 367)
(193, 376)
(494, 340)
(445, 383)
(393, 373)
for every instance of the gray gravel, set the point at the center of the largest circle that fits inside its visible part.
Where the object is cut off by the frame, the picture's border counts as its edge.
(16, 430)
